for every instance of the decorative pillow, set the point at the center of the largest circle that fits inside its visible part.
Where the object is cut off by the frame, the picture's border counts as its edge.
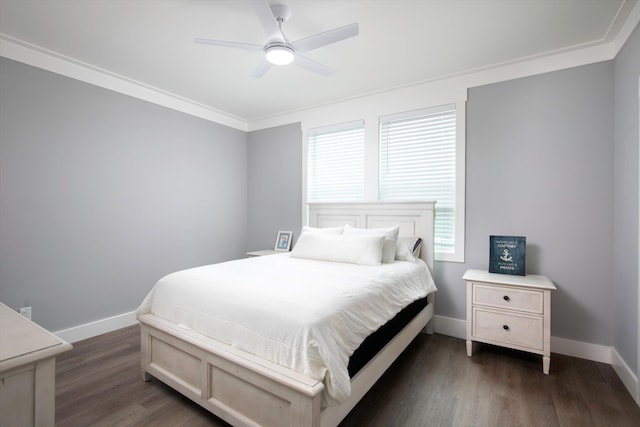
(390, 238)
(354, 249)
(328, 230)
(408, 248)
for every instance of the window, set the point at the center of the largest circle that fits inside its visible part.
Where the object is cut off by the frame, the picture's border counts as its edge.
(418, 155)
(418, 160)
(335, 169)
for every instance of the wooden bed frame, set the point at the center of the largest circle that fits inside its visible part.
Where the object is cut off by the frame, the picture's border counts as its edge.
(245, 390)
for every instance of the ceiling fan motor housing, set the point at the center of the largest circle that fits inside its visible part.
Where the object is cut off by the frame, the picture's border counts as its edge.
(281, 12)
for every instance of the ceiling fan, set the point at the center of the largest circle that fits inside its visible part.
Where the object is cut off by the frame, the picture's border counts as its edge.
(280, 51)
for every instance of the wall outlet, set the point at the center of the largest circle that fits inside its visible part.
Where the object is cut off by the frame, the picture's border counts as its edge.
(26, 312)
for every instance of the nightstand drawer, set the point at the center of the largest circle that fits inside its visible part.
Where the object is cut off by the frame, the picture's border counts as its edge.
(508, 298)
(514, 329)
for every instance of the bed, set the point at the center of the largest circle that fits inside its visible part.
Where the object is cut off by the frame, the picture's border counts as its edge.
(248, 390)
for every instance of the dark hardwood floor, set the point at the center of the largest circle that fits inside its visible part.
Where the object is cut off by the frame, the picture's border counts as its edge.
(433, 383)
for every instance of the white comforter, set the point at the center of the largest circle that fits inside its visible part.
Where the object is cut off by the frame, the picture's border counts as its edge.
(303, 314)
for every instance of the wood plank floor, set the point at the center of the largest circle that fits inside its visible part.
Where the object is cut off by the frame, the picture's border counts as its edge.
(433, 383)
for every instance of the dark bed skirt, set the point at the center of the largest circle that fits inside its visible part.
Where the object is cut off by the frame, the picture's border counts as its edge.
(377, 340)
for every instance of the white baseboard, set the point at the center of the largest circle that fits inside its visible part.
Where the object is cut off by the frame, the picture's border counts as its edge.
(442, 325)
(102, 326)
(629, 379)
(599, 353)
(451, 327)
(583, 350)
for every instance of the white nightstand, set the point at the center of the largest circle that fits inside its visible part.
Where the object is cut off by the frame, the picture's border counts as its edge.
(510, 311)
(264, 252)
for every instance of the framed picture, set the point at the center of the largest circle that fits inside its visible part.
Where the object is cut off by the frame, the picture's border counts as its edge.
(507, 254)
(283, 241)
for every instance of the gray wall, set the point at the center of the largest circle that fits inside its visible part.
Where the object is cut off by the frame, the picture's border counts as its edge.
(275, 184)
(102, 194)
(625, 219)
(540, 164)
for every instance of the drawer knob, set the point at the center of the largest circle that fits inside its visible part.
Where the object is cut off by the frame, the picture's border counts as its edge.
(506, 298)
(505, 327)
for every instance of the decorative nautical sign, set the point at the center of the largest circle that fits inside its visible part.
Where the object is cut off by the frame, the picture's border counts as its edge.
(506, 254)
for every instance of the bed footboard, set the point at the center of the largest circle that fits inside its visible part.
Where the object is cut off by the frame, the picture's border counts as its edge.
(240, 389)
(248, 391)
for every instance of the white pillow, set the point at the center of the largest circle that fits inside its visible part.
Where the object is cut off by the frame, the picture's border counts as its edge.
(354, 249)
(408, 248)
(390, 238)
(328, 230)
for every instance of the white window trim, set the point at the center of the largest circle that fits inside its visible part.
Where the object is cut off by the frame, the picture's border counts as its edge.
(371, 130)
(461, 120)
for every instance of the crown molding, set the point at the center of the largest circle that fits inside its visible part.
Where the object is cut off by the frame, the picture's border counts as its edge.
(48, 60)
(628, 26)
(431, 92)
(54, 62)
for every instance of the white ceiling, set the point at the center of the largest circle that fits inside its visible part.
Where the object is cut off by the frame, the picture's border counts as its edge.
(401, 43)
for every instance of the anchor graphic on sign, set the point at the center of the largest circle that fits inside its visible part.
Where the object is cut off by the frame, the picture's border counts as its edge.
(506, 256)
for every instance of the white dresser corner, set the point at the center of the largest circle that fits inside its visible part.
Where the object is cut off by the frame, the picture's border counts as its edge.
(27, 371)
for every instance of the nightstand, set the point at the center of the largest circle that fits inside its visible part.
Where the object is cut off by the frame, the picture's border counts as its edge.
(509, 311)
(264, 252)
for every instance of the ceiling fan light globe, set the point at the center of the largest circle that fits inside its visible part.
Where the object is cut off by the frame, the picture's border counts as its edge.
(279, 55)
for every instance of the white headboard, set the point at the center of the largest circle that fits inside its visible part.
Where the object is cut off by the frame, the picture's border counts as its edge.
(414, 219)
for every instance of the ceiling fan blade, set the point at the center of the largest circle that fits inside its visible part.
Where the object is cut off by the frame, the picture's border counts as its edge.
(261, 69)
(223, 43)
(267, 20)
(312, 65)
(322, 39)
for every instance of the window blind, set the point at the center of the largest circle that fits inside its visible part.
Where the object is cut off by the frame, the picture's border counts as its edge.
(417, 161)
(336, 164)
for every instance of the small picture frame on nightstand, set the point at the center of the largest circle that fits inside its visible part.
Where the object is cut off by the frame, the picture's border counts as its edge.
(283, 241)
